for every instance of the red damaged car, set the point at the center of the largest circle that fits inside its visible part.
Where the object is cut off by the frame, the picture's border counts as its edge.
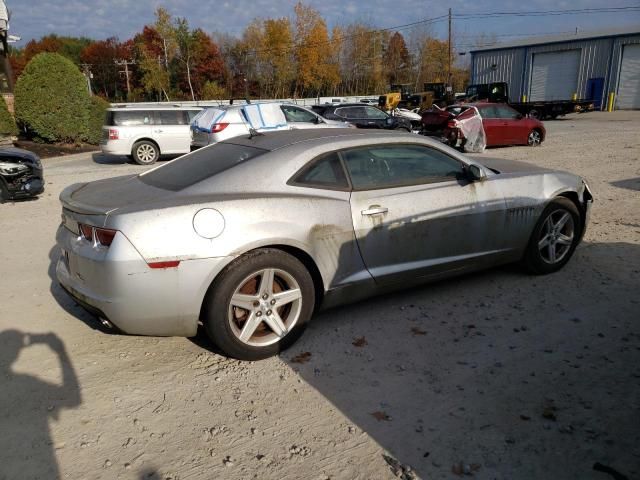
(502, 124)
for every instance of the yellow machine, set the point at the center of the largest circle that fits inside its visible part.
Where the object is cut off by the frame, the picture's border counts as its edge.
(389, 101)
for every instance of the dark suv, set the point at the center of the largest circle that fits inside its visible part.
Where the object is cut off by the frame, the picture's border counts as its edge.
(362, 116)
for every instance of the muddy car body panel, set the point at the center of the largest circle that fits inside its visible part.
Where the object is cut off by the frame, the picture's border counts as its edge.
(21, 174)
(254, 193)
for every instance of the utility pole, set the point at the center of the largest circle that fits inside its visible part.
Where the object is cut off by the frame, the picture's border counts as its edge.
(449, 85)
(86, 69)
(126, 64)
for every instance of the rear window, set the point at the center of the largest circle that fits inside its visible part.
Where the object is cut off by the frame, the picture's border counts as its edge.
(199, 165)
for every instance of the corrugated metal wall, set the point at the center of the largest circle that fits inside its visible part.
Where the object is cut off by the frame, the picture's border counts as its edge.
(600, 58)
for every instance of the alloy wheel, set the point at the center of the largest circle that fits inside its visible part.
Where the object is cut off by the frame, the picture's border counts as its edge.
(146, 153)
(265, 307)
(535, 138)
(556, 236)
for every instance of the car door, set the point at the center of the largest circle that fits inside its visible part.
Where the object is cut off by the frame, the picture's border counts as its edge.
(513, 127)
(355, 115)
(493, 126)
(171, 131)
(415, 214)
(299, 118)
(376, 117)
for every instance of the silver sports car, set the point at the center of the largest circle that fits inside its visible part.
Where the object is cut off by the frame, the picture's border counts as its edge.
(252, 235)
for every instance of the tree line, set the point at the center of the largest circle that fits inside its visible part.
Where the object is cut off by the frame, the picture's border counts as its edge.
(273, 58)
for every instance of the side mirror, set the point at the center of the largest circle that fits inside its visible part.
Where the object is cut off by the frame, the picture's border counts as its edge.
(475, 173)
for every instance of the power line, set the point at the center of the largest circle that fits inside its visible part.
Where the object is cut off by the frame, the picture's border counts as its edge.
(543, 13)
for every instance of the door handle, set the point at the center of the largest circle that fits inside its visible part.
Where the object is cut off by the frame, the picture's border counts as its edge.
(374, 210)
(158, 131)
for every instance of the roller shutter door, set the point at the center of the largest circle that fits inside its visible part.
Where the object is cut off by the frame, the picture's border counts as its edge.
(554, 75)
(629, 85)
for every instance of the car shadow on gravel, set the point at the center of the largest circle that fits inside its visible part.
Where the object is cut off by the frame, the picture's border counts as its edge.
(497, 372)
(630, 184)
(104, 159)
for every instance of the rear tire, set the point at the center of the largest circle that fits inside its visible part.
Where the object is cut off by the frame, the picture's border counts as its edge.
(145, 152)
(554, 238)
(259, 305)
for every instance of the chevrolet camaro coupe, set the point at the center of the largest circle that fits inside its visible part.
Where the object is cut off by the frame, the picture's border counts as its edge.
(250, 236)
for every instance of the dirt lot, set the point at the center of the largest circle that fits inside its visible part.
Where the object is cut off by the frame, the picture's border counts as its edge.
(500, 374)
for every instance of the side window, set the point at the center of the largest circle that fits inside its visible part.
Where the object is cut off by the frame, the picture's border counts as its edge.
(506, 112)
(375, 113)
(489, 112)
(191, 114)
(395, 165)
(132, 118)
(295, 114)
(325, 172)
(351, 112)
(171, 117)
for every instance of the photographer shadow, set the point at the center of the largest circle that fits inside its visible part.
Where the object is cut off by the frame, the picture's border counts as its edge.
(26, 405)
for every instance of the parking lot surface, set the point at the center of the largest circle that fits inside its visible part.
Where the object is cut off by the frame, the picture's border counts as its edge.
(498, 374)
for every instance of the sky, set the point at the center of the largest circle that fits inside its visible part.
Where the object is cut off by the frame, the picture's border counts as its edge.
(101, 19)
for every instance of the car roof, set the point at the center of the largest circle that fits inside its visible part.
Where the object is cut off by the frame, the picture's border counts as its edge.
(124, 108)
(283, 138)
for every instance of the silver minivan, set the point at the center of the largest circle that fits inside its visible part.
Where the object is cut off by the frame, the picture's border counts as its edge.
(216, 124)
(146, 133)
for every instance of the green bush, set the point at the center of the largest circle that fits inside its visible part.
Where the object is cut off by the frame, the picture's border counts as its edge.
(7, 123)
(98, 108)
(52, 100)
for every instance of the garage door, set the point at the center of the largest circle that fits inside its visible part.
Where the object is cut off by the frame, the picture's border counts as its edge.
(554, 76)
(629, 85)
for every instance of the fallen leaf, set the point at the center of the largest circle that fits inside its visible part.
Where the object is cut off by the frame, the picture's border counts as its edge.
(359, 342)
(417, 331)
(380, 416)
(303, 357)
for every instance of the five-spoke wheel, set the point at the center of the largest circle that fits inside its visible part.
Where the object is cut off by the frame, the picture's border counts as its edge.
(535, 138)
(554, 238)
(259, 304)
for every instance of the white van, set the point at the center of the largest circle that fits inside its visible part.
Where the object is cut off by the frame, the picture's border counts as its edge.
(146, 133)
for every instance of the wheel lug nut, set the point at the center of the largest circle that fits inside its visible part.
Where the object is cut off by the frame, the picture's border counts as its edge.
(259, 314)
(265, 296)
(273, 302)
(269, 312)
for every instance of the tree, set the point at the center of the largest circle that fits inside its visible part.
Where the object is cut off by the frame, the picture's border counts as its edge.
(397, 59)
(51, 99)
(276, 56)
(7, 123)
(167, 34)
(187, 48)
(102, 56)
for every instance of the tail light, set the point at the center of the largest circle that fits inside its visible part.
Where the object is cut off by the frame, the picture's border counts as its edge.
(114, 134)
(102, 236)
(218, 127)
(452, 124)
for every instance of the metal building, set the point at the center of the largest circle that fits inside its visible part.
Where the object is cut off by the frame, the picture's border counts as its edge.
(603, 67)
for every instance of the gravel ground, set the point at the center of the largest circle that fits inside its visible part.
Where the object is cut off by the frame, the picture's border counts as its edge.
(498, 375)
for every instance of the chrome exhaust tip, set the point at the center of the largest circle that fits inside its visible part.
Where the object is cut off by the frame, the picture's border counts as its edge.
(106, 323)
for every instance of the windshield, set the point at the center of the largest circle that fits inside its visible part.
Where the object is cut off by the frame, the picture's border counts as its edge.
(199, 165)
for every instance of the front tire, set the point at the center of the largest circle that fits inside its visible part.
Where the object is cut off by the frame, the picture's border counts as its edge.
(145, 152)
(259, 305)
(554, 238)
(534, 139)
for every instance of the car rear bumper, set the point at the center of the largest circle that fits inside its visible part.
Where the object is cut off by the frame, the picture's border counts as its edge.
(118, 285)
(116, 147)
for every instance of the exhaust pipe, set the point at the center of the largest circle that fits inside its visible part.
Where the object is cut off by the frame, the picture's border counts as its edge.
(106, 323)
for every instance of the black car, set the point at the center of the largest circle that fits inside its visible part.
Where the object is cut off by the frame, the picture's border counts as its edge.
(20, 174)
(362, 116)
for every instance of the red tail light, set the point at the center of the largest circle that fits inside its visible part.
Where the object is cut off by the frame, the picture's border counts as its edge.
(218, 127)
(171, 264)
(86, 231)
(452, 124)
(104, 236)
(114, 134)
